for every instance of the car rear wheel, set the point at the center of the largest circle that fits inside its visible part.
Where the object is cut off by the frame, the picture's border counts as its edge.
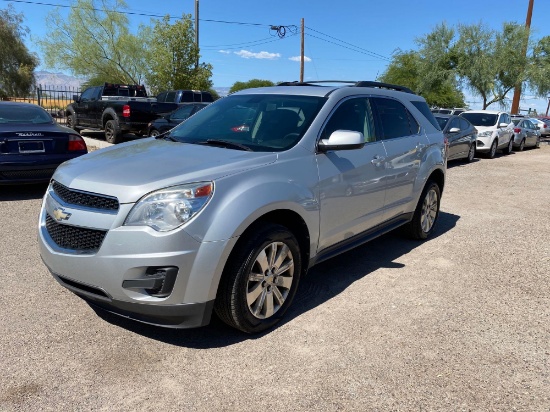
(509, 148)
(521, 146)
(260, 279)
(471, 153)
(154, 132)
(427, 211)
(112, 132)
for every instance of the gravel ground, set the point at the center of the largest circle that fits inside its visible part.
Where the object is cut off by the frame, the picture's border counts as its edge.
(460, 322)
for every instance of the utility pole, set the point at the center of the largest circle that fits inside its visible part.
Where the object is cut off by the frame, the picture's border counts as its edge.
(548, 107)
(197, 31)
(302, 55)
(517, 91)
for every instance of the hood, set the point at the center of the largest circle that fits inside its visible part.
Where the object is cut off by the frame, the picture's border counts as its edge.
(481, 129)
(130, 170)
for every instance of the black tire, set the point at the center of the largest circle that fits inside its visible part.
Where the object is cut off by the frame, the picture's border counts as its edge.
(493, 150)
(154, 132)
(510, 146)
(71, 122)
(521, 146)
(471, 153)
(537, 145)
(426, 213)
(238, 285)
(112, 132)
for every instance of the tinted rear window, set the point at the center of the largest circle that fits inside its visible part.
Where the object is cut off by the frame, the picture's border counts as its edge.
(23, 114)
(425, 110)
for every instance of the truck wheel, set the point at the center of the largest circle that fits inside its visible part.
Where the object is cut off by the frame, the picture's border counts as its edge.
(427, 211)
(112, 132)
(71, 122)
(260, 279)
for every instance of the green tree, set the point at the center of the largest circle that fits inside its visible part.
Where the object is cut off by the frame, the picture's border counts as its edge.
(405, 69)
(95, 42)
(172, 56)
(539, 70)
(489, 62)
(250, 85)
(17, 63)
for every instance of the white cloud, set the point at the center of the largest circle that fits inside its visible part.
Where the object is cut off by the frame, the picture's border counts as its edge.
(245, 54)
(297, 59)
(224, 51)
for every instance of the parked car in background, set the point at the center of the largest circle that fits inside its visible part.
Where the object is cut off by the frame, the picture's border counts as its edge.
(543, 124)
(185, 96)
(32, 144)
(526, 134)
(460, 134)
(171, 120)
(209, 218)
(495, 130)
(456, 111)
(115, 108)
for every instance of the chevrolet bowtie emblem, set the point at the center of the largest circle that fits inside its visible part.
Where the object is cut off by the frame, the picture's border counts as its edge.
(59, 214)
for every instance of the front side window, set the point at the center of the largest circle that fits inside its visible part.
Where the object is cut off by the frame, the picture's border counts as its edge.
(395, 119)
(353, 115)
(455, 123)
(263, 122)
(88, 94)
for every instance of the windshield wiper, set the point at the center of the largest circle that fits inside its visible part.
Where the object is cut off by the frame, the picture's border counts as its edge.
(226, 143)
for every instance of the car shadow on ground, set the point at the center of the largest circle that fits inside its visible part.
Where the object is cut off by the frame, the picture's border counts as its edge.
(323, 282)
(22, 192)
(100, 135)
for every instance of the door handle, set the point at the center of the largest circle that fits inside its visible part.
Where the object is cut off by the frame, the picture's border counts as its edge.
(377, 160)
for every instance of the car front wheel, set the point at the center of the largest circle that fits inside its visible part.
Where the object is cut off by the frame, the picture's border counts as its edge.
(509, 148)
(260, 279)
(471, 153)
(492, 150)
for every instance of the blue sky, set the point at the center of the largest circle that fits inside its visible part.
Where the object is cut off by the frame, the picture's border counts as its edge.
(345, 39)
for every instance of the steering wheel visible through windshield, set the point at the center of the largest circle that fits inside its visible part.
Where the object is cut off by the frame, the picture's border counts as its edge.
(260, 123)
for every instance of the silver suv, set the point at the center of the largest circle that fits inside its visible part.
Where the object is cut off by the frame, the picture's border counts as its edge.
(227, 211)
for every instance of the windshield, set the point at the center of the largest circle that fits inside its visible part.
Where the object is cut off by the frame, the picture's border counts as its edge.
(442, 121)
(481, 119)
(21, 113)
(259, 122)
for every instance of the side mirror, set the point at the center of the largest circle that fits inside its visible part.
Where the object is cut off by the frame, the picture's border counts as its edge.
(454, 130)
(76, 98)
(342, 140)
(503, 125)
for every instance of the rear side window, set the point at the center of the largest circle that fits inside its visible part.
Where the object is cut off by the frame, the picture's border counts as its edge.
(425, 110)
(394, 119)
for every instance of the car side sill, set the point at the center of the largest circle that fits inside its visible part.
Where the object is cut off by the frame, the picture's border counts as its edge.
(360, 238)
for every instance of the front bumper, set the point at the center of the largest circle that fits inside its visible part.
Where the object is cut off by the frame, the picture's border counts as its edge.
(483, 143)
(107, 276)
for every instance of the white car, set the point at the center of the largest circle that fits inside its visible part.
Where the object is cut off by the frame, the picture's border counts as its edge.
(495, 131)
(543, 124)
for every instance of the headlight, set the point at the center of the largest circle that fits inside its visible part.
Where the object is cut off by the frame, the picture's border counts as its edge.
(169, 208)
(485, 134)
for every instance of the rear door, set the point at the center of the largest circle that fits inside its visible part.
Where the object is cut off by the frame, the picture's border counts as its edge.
(351, 182)
(405, 144)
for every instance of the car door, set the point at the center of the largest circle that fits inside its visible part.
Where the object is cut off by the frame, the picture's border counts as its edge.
(83, 107)
(505, 133)
(406, 145)
(351, 182)
(531, 133)
(458, 141)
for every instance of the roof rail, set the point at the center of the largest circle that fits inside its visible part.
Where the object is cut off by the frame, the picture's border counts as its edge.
(384, 86)
(315, 83)
(351, 83)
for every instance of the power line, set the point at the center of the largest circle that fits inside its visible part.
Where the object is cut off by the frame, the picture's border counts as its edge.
(349, 48)
(359, 49)
(38, 3)
(240, 45)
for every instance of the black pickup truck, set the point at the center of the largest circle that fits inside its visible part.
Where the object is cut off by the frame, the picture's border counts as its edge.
(116, 109)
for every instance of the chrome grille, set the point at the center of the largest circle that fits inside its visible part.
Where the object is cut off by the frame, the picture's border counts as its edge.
(73, 237)
(75, 197)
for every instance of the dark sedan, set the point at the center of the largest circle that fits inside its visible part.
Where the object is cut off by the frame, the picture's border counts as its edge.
(461, 134)
(171, 120)
(32, 144)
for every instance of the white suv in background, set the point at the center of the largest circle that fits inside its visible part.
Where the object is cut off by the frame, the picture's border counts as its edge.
(495, 131)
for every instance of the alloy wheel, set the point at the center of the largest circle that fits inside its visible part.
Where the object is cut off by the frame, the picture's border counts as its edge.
(429, 211)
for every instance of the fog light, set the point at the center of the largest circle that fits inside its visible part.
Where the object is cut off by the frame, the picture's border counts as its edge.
(157, 282)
